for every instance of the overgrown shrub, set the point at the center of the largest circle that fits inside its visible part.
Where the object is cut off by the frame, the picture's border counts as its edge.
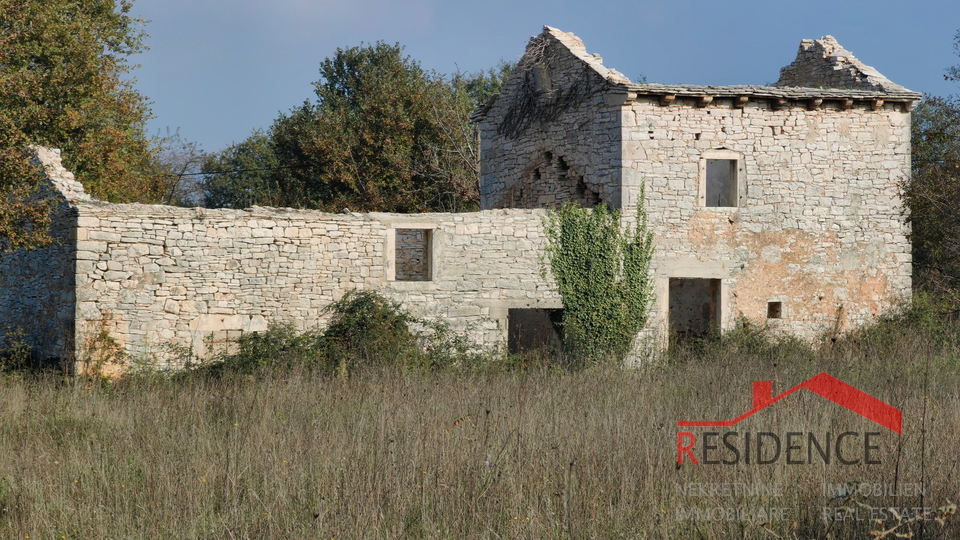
(18, 356)
(928, 324)
(367, 330)
(280, 347)
(926, 328)
(747, 342)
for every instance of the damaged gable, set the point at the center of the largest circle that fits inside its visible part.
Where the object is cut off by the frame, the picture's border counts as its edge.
(547, 135)
(575, 46)
(825, 63)
(555, 73)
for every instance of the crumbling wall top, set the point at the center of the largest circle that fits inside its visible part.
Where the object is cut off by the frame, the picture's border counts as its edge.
(825, 63)
(576, 47)
(59, 177)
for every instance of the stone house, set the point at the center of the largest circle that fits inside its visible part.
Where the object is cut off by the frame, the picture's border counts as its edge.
(778, 203)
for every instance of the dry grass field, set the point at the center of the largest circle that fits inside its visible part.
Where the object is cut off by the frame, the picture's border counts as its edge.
(480, 453)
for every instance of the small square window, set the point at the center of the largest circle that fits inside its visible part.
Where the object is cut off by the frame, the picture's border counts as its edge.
(721, 188)
(413, 255)
(774, 310)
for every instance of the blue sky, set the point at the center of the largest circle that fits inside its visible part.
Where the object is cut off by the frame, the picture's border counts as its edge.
(218, 69)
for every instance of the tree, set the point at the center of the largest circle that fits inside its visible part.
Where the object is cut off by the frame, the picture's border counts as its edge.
(243, 174)
(176, 164)
(934, 189)
(62, 68)
(383, 134)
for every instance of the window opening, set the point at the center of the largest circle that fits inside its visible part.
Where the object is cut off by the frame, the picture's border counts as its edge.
(413, 255)
(774, 310)
(721, 188)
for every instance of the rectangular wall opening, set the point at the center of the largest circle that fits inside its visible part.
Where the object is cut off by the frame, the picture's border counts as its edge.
(774, 310)
(413, 255)
(694, 307)
(721, 188)
(533, 329)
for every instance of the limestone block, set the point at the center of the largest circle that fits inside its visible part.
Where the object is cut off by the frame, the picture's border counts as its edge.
(92, 246)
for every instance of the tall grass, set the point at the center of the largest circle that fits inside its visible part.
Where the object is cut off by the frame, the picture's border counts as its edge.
(388, 452)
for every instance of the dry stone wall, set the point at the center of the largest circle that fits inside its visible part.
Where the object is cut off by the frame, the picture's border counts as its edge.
(37, 300)
(170, 283)
(37, 287)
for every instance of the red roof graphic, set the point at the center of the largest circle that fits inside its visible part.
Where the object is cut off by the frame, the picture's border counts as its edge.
(823, 385)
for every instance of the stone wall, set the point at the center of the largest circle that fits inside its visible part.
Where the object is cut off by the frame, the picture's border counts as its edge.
(37, 296)
(573, 157)
(819, 226)
(825, 63)
(812, 230)
(168, 283)
(37, 300)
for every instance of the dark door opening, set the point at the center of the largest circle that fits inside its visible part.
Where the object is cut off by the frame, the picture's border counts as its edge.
(694, 307)
(533, 329)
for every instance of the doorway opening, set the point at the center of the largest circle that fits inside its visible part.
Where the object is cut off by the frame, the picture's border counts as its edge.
(533, 329)
(694, 307)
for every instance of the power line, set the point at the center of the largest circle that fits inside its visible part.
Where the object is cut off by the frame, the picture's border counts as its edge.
(246, 170)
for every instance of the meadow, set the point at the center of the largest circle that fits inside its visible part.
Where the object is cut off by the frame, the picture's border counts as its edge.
(514, 448)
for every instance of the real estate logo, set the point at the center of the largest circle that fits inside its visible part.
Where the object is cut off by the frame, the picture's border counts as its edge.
(796, 448)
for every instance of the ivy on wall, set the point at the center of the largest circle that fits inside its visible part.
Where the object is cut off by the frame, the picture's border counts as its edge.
(602, 271)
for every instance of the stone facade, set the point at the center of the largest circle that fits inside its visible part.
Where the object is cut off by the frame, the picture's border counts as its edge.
(809, 232)
(779, 204)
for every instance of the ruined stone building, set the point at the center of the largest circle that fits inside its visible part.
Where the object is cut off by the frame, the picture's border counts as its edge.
(776, 203)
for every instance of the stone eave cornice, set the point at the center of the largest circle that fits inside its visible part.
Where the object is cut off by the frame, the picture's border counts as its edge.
(811, 98)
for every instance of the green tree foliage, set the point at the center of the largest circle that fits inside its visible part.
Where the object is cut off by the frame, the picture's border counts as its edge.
(244, 174)
(933, 191)
(62, 68)
(602, 271)
(383, 134)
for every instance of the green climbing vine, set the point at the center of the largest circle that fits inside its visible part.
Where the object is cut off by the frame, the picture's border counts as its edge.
(602, 271)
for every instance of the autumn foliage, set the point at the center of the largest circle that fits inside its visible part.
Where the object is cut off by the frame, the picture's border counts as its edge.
(62, 68)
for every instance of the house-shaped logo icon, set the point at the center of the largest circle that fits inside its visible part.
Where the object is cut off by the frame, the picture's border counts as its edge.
(823, 385)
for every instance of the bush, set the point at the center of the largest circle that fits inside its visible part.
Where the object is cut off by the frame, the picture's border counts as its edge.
(746, 342)
(366, 330)
(280, 347)
(602, 273)
(18, 356)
